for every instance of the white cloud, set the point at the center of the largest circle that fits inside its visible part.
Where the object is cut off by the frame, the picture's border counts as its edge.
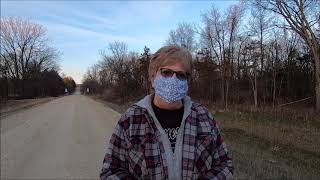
(83, 34)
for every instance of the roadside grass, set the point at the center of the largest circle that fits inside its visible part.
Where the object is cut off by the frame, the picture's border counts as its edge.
(300, 134)
(266, 147)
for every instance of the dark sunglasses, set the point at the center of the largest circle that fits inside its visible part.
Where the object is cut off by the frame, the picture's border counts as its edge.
(179, 74)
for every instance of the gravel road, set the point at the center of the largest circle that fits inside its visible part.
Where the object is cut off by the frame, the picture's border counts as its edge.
(62, 139)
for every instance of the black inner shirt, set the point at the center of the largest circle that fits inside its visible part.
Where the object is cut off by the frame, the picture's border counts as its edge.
(170, 121)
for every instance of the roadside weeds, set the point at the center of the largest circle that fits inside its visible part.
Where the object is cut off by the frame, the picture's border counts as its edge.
(269, 148)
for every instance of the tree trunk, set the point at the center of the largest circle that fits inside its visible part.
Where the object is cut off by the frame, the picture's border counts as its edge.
(274, 90)
(316, 55)
(222, 89)
(23, 94)
(227, 92)
(255, 89)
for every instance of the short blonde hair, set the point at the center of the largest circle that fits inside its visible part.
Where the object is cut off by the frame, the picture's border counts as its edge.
(169, 55)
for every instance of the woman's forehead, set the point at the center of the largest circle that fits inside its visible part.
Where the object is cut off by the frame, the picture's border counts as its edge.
(175, 66)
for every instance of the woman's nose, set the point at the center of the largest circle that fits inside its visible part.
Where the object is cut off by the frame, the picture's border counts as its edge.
(174, 75)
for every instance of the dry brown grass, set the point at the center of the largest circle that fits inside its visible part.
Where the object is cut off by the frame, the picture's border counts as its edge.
(267, 148)
(304, 135)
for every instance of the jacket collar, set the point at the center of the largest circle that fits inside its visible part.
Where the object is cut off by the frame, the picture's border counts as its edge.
(146, 103)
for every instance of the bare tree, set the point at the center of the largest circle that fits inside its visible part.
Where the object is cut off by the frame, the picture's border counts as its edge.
(252, 54)
(235, 13)
(275, 49)
(301, 16)
(260, 23)
(218, 36)
(143, 68)
(183, 36)
(24, 46)
(93, 73)
(112, 65)
(118, 50)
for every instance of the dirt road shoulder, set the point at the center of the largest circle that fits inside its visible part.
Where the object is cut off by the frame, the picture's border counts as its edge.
(12, 106)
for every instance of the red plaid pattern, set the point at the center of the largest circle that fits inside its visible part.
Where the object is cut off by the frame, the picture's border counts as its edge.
(136, 152)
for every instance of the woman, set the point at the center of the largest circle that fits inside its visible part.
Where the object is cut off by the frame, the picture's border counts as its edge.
(166, 135)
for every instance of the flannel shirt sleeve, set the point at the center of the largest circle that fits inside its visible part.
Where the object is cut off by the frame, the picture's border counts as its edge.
(222, 167)
(115, 164)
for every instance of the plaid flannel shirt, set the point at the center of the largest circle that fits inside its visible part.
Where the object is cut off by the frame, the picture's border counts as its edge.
(136, 150)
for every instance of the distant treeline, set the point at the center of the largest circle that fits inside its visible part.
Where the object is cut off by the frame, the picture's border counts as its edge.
(265, 60)
(28, 65)
(126, 79)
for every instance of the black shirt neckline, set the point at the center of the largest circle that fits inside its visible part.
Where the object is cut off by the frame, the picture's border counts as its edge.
(170, 120)
(156, 108)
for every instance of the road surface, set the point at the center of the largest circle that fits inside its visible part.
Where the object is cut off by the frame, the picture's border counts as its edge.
(62, 139)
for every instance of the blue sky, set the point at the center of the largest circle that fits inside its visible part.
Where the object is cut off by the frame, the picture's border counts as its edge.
(80, 29)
